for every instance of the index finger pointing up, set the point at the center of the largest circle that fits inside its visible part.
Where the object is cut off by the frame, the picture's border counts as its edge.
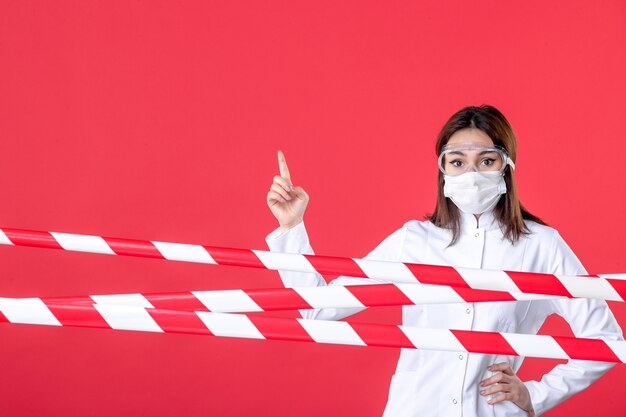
(282, 166)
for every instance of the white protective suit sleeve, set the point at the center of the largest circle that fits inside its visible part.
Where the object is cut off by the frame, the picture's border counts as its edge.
(296, 240)
(587, 318)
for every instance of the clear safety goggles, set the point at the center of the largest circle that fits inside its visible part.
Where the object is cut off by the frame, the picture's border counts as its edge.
(458, 159)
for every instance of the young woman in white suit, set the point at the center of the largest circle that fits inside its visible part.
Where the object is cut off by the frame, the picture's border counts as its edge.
(478, 222)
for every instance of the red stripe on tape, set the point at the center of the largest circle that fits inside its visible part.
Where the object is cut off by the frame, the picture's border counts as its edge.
(539, 283)
(178, 321)
(438, 275)
(82, 315)
(280, 328)
(183, 302)
(332, 265)
(74, 301)
(586, 349)
(484, 342)
(131, 247)
(3, 318)
(382, 335)
(234, 257)
(277, 299)
(478, 296)
(32, 238)
(379, 294)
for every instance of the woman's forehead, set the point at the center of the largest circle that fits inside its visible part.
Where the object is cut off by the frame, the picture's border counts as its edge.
(469, 137)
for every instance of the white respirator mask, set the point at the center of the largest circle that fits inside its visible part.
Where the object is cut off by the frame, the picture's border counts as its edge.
(474, 192)
(474, 176)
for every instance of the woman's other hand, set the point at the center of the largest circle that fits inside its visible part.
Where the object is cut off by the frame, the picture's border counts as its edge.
(286, 201)
(507, 386)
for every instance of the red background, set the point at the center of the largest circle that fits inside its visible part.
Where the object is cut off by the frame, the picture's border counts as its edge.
(160, 120)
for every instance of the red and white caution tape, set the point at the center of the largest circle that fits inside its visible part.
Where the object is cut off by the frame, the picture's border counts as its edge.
(606, 288)
(275, 299)
(33, 311)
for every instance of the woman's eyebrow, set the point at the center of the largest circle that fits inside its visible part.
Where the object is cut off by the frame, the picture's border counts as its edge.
(486, 152)
(456, 153)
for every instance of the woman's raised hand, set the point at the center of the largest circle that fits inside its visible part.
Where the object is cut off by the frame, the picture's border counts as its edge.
(286, 202)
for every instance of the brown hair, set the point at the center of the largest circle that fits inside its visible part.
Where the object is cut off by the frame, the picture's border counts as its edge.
(508, 211)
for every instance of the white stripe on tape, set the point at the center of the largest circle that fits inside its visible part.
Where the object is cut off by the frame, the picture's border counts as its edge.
(183, 252)
(535, 345)
(618, 347)
(286, 261)
(131, 300)
(227, 301)
(27, 311)
(331, 296)
(331, 332)
(383, 270)
(438, 339)
(4, 240)
(82, 243)
(590, 288)
(613, 276)
(429, 294)
(233, 325)
(494, 280)
(522, 296)
(127, 318)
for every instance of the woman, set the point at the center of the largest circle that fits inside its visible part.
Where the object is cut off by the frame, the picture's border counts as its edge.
(478, 222)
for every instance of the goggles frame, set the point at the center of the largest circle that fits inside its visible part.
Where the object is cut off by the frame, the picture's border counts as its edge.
(506, 160)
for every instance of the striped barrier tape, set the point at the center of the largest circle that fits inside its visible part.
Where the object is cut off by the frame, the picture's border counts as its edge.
(600, 287)
(123, 317)
(299, 298)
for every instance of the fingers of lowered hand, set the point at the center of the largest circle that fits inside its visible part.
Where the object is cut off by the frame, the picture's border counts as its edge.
(501, 367)
(508, 385)
(507, 396)
(503, 385)
(499, 377)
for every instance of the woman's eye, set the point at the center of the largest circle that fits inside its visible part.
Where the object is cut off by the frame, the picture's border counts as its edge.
(456, 163)
(488, 162)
